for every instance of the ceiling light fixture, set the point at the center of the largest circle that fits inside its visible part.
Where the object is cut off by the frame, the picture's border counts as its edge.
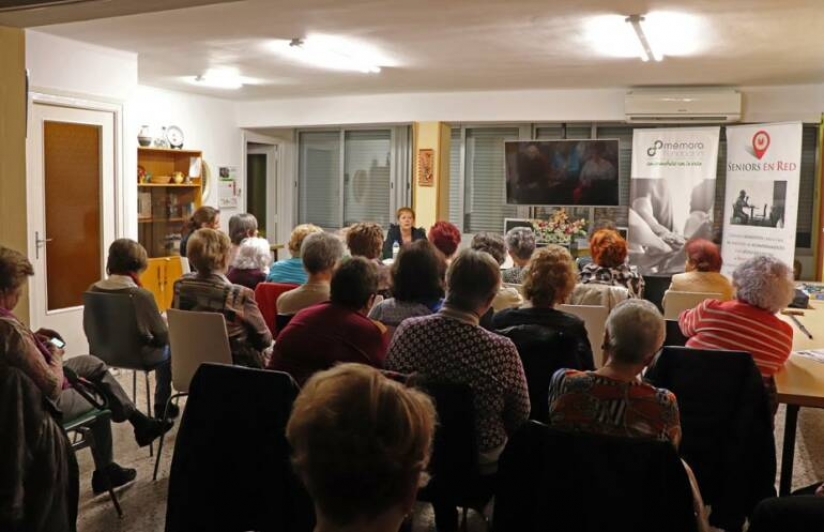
(647, 51)
(328, 52)
(219, 78)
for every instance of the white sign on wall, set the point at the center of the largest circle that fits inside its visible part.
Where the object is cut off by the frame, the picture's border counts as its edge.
(761, 200)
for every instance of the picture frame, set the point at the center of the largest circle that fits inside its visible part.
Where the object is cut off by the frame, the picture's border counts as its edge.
(426, 170)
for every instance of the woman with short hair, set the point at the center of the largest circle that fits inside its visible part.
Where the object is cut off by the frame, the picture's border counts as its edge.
(320, 252)
(208, 290)
(493, 244)
(365, 239)
(242, 225)
(402, 233)
(609, 263)
(205, 216)
(291, 270)
(446, 237)
(703, 271)
(520, 244)
(251, 262)
(360, 444)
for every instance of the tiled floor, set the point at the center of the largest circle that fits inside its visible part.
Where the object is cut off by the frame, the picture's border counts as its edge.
(144, 501)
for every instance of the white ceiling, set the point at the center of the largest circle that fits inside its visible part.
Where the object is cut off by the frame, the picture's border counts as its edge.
(462, 45)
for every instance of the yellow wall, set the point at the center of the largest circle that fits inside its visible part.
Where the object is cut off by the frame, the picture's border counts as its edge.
(431, 203)
(13, 146)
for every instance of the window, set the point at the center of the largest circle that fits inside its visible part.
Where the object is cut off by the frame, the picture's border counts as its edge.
(320, 178)
(366, 178)
(485, 197)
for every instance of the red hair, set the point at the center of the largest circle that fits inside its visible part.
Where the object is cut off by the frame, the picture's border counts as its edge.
(446, 237)
(608, 248)
(704, 255)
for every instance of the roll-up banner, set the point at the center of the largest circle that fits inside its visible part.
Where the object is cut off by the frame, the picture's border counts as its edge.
(672, 195)
(761, 200)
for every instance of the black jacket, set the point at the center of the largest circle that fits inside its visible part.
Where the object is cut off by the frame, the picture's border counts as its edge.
(394, 235)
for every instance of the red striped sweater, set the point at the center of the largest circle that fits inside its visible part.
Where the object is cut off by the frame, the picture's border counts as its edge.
(738, 326)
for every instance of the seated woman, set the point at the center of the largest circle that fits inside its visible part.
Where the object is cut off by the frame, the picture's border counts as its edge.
(251, 263)
(208, 290)
(494, 245)
(446, 237)
(291, 270)
(417, 285)
(520, 243)
(321, 253)
(613, 399)
(609, 266)
(358, 482)
(703, 271)
(127, 260)
(203, 217)
(763, 286)
(241, 226)
(365, 240)
(36, 355)
(402, 233)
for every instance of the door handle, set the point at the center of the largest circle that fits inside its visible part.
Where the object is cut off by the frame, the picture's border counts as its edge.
(39, 243)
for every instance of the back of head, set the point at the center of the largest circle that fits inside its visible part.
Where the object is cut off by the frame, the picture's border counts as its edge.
(491, 243)
(636, 331)
(126, 257)
(520, 241)
(242, 225)
(298, 234)
(253, 254)
(360, 442)
(15, 268)
(365, 239)
(446, 237)
(550, 276)
(203, 216)
(608, 248)
(764, 282)
(354, 282)
(208, 251)
(472, 280)
(320, 252)
(703, 255)
(418, 273)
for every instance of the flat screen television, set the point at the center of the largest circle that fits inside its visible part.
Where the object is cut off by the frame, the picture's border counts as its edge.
(562, 172)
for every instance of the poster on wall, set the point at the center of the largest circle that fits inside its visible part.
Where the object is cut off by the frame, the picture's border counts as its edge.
(672, 195)
(761, 198)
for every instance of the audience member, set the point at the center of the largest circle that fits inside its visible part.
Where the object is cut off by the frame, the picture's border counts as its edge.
(417, 285)
(36, 354)
(291, 270)
(208, 290)
(320, 336)
(361, 444)
(402, 233)
(703, 271)
(127, 260)
(251, 262)
(320, 253)
(446, 238)
(802, 512)
(203, 217)
(494, 245)
(613, 399)
(520, 243)
(241, 226)
(609, 266)
(365, 240)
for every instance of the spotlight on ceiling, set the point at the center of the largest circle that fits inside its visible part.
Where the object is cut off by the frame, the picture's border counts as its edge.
(329, 53)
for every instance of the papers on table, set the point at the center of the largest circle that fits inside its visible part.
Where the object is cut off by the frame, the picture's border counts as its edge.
(815, 354)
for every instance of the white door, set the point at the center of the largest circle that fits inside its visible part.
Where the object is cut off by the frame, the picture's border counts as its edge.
(71, 212)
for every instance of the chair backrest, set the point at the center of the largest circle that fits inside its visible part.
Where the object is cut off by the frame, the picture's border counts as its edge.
(110, 324)
(726, 423)
(654, 288)
(675, 301)
(675, 337)
(231, 467)
(282, 320)
(196, 338)
(595, 318)
(598, 294)
(547, 478)
(267, 295)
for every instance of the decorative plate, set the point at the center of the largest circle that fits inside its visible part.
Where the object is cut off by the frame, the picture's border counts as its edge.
(175, 136)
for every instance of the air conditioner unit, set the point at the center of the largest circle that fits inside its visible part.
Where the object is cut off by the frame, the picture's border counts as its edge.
(682, 106)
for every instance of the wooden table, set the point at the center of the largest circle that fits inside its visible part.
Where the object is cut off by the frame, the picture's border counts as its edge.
(800, 383)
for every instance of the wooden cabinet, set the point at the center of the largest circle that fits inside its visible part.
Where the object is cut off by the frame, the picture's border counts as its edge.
(163, 208)
(159, 278)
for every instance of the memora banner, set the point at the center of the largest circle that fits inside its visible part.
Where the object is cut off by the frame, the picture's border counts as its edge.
(761, 200)
(672, 195)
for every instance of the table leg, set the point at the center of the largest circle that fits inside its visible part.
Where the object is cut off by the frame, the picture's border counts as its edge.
(788, 452)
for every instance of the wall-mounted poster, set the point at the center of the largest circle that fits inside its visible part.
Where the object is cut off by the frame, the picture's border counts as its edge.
(672, 195)
(426, 171)
(227, 173)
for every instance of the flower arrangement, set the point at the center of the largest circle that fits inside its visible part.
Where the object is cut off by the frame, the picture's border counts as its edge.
(559, 229)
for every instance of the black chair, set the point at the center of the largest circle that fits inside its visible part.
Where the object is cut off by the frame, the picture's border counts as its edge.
(38, 470)
(798, 513)
(675, 337)
(553, 480)
(727, 427)
(230, 470)
(654, 288)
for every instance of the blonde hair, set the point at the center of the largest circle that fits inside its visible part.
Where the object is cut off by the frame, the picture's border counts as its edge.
(360, 441)
(208, 250)
(550, 276)
(298, 234)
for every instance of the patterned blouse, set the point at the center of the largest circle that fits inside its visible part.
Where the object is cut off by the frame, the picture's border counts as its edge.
(622, 275)
(450, 345)
(587, 402)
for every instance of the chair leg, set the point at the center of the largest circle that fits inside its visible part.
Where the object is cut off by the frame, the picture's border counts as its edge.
(87, 435)
(149, 408)
(465, 523)
(163, 436)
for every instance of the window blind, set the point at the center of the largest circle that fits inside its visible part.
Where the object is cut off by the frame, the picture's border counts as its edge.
(455, 208)
(486, 198)
(319, 176)
(366, 180)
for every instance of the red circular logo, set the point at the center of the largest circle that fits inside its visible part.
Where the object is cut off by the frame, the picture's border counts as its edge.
(760, 143)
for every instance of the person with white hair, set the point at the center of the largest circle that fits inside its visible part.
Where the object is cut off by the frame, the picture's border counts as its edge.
(763, 286)
(520, 243)
(613, 399)
(251, 262)
(320, 252)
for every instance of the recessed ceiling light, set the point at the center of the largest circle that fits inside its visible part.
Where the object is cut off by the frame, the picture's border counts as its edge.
(219, 78)
(328, 52)
(665, 33)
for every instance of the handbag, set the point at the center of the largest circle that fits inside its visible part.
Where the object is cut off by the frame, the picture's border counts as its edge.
(87, 389)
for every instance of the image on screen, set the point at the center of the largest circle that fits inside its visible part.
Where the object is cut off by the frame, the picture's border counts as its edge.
(562, 172)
